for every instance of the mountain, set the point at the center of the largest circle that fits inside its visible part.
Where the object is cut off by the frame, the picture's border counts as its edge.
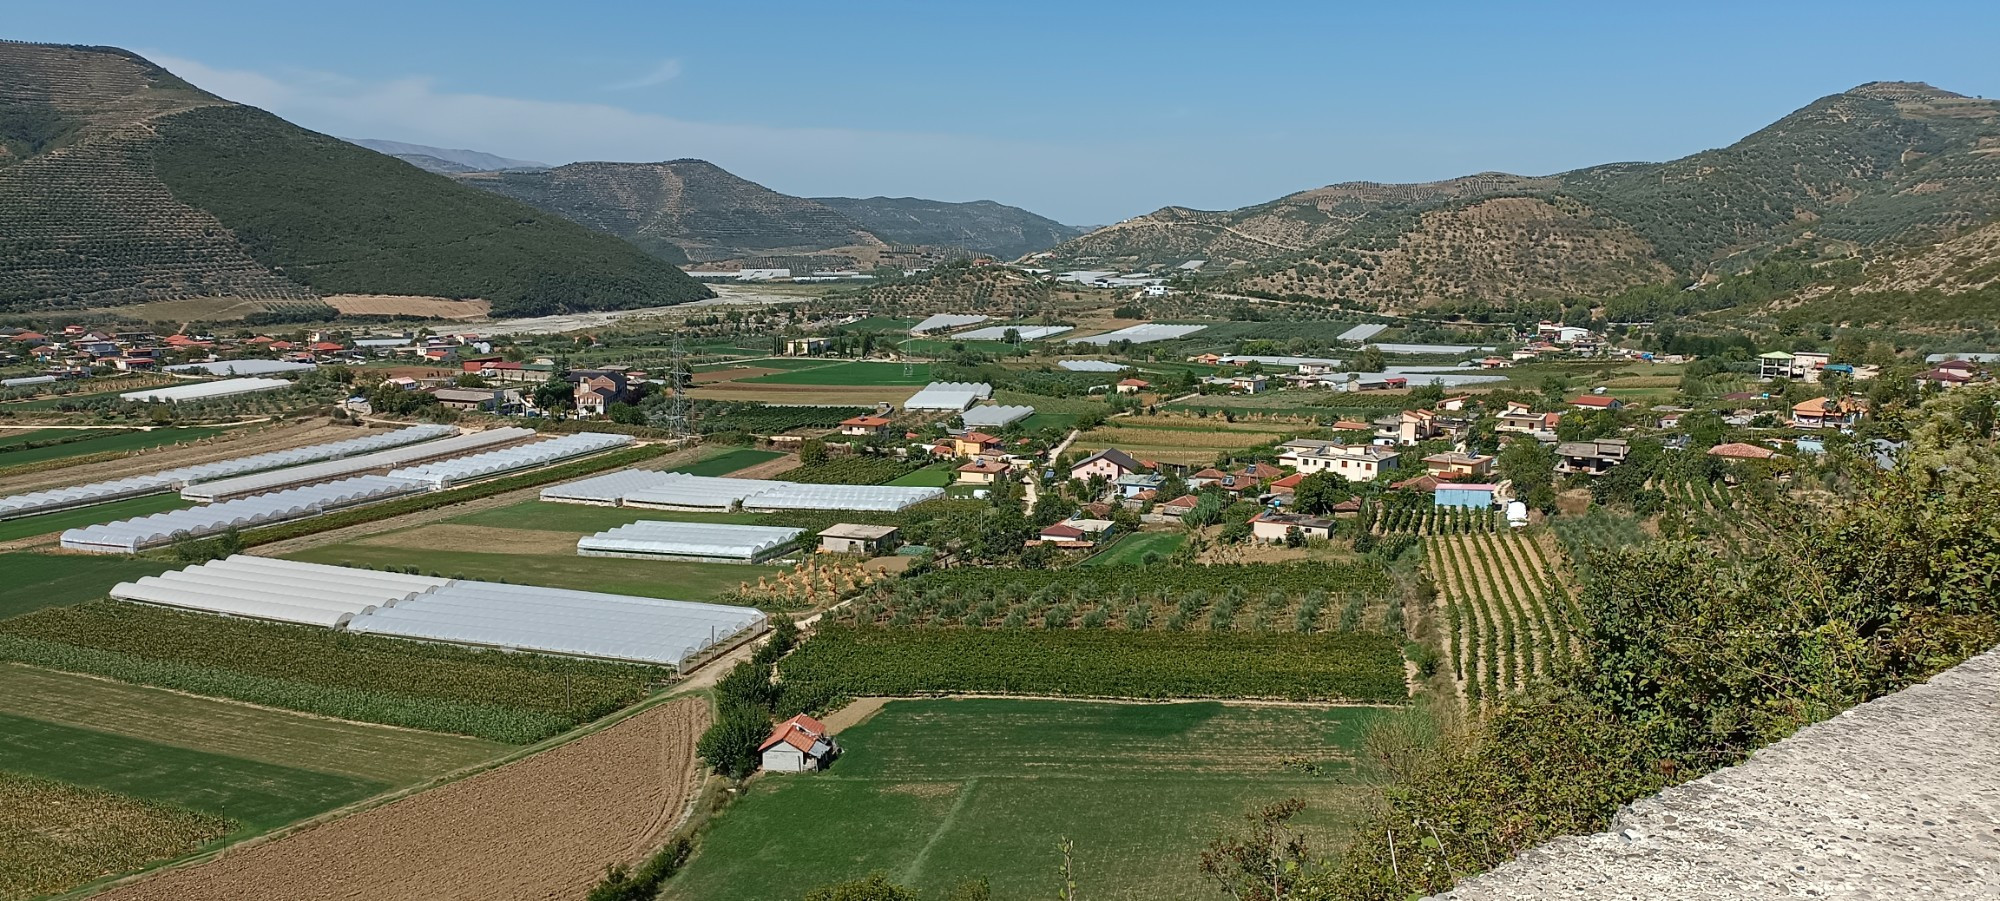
(681, 210)
(981, 225)
(444, 160)
(1867, 171)
(122, 184)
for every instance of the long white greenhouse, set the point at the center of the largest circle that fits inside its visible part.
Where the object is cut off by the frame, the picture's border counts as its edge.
(941, 321)
(953, 396)
(1091, 366)
(680, 491)
(255, 483)
(1142, 334)
(456, 611)
(1363, 332)
(995, 416)
(1026, 332)
(446, 473)
(712, 542)
(128, 536)
(244, 367)
(206, 390)
(54, 499)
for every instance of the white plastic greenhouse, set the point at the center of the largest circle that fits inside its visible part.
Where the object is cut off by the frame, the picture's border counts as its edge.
(169, 479)
(718, 543)
(1141, 334)
(27, 380)
(255, 483)
(679, 491)
(206, 390)
(952, 396)
(606, 490)
(1026, 332)
(244, 367)
(132, 535)
(446, 473)
(881, 498)
(560, 621)
(1091, 366)
(995, 416)
(1363, 332)
(262, 588)
(942, 321)
(686, 492)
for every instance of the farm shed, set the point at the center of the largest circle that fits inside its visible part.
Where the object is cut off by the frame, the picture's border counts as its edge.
(1273, 526)
(271, 480)
(797, 745)
(129, 536)
(709, 542)
(205, 390)
(1474, 496)
(995, 416)
(855, 538)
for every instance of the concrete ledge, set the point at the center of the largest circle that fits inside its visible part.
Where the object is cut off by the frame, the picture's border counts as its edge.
(1898, 798)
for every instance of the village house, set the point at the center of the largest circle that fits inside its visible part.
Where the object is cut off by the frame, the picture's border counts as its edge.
(1177, 507)
(1455, 404)
(1414, 426)
(1139, 485)
(854, 538)
(865, 426)
(1272, 526)
(1596, 402)
(975, 444)
(1737, 450)
(597, 390)
(1520, 419)
(1133, 386)
(1946, 377)
(1355, 462)
(797, 745)
(1591, 457)
(982, 472)
(1774, 365)
(1828, 413)
(482, 399)
(1109, 464)
(1465, 464)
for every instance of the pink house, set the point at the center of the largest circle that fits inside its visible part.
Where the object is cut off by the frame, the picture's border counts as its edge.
(1110, 464)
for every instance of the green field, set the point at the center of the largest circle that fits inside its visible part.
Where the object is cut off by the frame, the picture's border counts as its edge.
(938, 790)
(128, 441)
(1040, 420)
(56, 836)
(936, 475)
(670, 579)
(35, 581)
(727, 462)
(853, 372)
(1134, 547)
(45, 523)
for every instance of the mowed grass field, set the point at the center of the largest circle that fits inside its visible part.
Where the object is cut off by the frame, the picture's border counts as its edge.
(936, 475)
(13, 455)
(1133, 548)
(932, 791)
(46, 523)
(728, 461)
(851, 372)
(35, 581)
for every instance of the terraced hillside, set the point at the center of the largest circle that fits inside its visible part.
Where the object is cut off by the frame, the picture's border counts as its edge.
(681, 210)
(120, 184)
(1874, 170)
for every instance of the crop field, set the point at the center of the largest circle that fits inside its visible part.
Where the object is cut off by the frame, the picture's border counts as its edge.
(936, 475)
(48, 523)
(846, 661)
(854, 470)
(530, 558)
(542, 827)
(1508, 619)
(710, 417)
(1430, 519)
(1178, 440)
(851, 372)
(934, 791)
(1132, 549)
(35, 581)
(728, 461)
(1039, 420)
(54, 835)
(511, 698)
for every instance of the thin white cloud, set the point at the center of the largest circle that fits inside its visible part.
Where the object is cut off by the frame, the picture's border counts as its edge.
(667, 70)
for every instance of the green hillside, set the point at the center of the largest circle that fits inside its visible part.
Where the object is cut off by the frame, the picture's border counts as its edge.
(121, 184)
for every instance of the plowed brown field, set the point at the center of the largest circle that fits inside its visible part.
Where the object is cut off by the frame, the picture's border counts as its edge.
(408, 305)
(544, 827)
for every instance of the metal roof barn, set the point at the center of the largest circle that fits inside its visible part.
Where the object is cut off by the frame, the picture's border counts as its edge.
(1142, 334)
(205, 390)
(942, 321)
(129, 536)
(713, 542)
(995, 416)
(1027, 332)
(244, 367)
(257, 483)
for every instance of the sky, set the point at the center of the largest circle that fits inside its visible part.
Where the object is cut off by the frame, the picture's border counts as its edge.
(1087, 112)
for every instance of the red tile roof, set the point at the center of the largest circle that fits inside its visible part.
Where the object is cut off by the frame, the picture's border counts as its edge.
(866, 422)
(801, 732)
(1185, 500)
(1061, 531)
(1599, 401)
(1738, 450)
(1290, 481)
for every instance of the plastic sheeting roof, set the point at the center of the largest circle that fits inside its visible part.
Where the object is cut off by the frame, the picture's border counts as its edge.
(345, 466)
(206, 390)
(608, 488)
(1141, 334)
(948, 396)
(795, 496)
(560, 621)
(996, 416)
(128, 536)
(244, 367)
(641, 488)
(945, 321)
(1363, 332)
(445, 473)
(1091, 366)
(263, 588)
(169, 479)
(1027, 332)
(691, 539)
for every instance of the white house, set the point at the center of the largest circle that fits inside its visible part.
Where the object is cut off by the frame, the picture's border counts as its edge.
(1355, 462)
(797, 745)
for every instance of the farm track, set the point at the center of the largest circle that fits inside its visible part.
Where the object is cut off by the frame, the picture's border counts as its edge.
(543, 827)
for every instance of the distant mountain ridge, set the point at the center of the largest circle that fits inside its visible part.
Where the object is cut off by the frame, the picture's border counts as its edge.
(1865, 171)
(444, 160)
(120, 184)
(983, 225)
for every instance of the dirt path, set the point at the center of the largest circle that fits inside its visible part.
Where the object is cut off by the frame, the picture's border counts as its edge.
(543, 827)
(254, 439)
(768, 469)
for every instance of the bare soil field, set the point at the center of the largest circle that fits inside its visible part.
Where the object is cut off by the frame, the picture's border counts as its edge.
(769, 469)
(408, 305)
(246, 440)
(544, 827)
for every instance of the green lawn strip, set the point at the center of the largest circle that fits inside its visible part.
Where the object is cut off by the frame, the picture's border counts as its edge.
(936, 475)
(120, 443)
(35, 581)
(727, 462)
(47, 523)
(670, 579)
(1040, 420)
(264, 734)
(260, 796)
(57, 836)
(1132, 548)
(27, 436)
(933, 791)
(857, 372)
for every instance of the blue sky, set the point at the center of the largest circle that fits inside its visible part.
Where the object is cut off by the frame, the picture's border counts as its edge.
(1087, 112)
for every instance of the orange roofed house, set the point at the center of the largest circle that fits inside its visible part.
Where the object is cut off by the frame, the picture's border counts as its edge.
(797, 745)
